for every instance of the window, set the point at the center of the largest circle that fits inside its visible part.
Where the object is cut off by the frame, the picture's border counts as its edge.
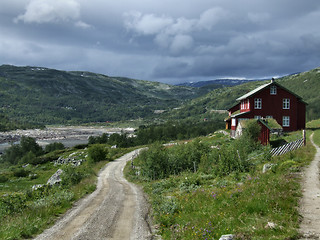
(273, 90)
(233, 122)
(257, 103)
(245, 104)
(285, 121)
(257, 117)
(268, 117)
(286, 103)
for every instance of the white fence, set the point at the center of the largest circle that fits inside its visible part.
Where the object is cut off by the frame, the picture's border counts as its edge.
(287, 147)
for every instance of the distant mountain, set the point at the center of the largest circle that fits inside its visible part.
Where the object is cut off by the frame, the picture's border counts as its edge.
(49, 96)
(306, 85)
(220, 82)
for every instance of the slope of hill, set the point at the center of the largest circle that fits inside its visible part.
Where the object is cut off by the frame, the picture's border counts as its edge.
(306, 85)
(47, 96)
(221, 82)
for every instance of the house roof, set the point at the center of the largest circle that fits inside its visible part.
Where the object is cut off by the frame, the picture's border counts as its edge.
(270, 123)
(258, 89)
(235, 114)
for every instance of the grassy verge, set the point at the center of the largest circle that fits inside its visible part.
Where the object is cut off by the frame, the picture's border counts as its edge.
(250, 205)
(25, 212)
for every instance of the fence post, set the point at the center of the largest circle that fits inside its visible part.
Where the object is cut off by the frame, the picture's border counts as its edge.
(304, 137)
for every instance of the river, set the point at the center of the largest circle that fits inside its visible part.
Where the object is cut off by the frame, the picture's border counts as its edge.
(69, 136)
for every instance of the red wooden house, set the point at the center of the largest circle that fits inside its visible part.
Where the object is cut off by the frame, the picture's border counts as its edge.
(270, 100)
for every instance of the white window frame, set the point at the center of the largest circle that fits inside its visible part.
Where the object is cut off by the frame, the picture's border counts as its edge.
(286, 103)
(233, 122)
(257, 103)
(286, 121)
(273, 90)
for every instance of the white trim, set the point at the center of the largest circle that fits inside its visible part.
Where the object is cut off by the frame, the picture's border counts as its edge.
(257, 103)
(273, 90)
(286, 103)
(286, 121)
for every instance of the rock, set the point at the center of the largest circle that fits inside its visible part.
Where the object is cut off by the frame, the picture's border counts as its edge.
(55, 178)
(226, 237)
(37, 186)
(271, 225)
(267, 167)
(24, 166)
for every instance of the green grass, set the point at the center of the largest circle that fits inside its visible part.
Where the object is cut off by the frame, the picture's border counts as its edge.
(316, 137)
(25, 213)
(203, 206)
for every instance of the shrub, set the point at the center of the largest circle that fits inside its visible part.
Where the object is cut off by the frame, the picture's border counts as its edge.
(155, 162)
(54, 146)
(3, 179)
(97, 153)
(21, 173)
(252, 130)
(71, 176)
(11, 203)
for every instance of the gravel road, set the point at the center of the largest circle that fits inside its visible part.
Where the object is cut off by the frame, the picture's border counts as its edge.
(116, 210)
(310, 203)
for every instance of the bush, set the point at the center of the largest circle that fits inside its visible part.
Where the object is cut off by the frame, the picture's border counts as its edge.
(252, 130)
(3, 179)
(21, 173)
(154, 162)
(97, 153)
(12, 203)
(17, 153)
(54, 146)
(71, 176)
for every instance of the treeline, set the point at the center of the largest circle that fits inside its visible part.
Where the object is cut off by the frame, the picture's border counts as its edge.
(159, 133)
(6, 124)
(28, 151)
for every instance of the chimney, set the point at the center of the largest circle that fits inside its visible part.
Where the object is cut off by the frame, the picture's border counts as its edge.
(272, 80)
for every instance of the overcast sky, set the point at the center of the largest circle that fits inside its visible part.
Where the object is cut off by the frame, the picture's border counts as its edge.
(169, 41)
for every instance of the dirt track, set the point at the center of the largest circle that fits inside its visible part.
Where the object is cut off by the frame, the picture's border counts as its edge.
(116, 210)
(310, 203)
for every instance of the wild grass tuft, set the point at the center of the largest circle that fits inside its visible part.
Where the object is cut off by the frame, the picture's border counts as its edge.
(204, 205)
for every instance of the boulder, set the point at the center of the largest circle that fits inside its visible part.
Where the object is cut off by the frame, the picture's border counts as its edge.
(55, 178)
(227, 237)
(267, 167)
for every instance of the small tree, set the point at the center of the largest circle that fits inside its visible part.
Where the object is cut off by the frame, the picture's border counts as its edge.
(54, 146)
(97, 153)
(252, 130)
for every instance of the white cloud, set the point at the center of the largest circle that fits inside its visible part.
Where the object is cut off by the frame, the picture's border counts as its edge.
(211, 17)
(181, 43)
(173, 34)
(147, 24)
(83, 25)
(48, 11)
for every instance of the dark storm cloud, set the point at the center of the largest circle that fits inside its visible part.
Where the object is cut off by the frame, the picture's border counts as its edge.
(170, 41)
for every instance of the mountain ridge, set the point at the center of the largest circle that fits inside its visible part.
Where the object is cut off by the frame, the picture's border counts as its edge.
(48, 96)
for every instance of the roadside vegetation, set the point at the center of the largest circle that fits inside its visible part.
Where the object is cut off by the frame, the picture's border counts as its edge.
(213, 186)
(28, 205)
(200, 188)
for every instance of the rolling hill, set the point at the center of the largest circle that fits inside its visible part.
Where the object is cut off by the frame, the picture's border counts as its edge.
(305, 84)
(49, 96)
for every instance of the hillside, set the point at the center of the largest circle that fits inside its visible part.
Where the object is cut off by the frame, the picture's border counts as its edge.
(217, 82)
(306, 85)
(48, 96)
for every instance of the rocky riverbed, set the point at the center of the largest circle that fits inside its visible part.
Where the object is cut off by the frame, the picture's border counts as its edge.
(59, 134)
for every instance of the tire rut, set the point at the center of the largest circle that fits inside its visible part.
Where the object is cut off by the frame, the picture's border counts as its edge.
(116, 210)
